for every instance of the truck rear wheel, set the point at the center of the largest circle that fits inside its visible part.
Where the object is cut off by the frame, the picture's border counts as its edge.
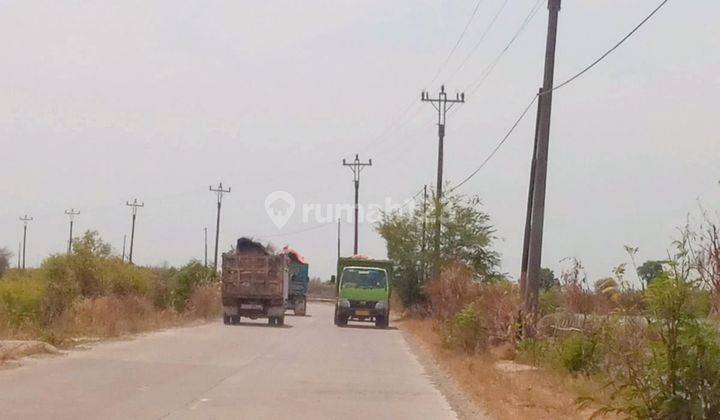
(382, 321)
(279, 321)
(226, 319)
(235, 319)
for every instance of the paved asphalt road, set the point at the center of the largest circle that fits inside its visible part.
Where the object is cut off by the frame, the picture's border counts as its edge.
(308, 369)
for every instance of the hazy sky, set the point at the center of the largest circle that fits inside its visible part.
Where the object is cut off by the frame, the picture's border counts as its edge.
(105, 101)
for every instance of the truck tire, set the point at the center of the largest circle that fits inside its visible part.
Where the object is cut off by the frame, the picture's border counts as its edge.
(340, 320)
(226, 319)
(382, 321)
(280, 321)
(235, 319)
(300, 307)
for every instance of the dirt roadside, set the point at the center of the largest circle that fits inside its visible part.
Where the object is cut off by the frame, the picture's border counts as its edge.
(503, 389)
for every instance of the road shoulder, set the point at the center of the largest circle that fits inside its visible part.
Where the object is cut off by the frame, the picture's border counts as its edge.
(459, 401)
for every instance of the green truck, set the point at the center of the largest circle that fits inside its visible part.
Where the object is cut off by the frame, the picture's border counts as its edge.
(363, 291)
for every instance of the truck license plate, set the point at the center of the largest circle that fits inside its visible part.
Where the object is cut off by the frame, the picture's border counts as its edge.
(362, 312)
(250, 306)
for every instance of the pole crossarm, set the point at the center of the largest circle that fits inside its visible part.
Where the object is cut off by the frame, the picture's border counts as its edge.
(134, 205)
(356, 166)
(72, 213)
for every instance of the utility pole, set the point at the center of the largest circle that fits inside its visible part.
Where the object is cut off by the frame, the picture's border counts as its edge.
(205, 229)
(442, 105)
(219, 191)
(424, 224)
(530, 299)
(134, 206)
(338, 241)
(356, 167)
(123, 253)
(528, 214)
(25, 219)
(19, 254)
(71, 214)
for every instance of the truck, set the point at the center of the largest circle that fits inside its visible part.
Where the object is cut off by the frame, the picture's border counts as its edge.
(255, 283)
(299, 281)
(363, 290)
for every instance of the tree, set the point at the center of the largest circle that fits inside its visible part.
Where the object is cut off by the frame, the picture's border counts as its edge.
(466, 236)
(5, 256)
(650, 270)
(547, 279)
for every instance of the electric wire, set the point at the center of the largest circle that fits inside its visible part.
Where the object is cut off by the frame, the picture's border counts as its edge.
(559, 86)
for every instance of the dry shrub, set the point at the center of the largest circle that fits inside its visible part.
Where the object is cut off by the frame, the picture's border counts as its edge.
(205, 301)
(474, 314)
(452, 291)
(111, 316)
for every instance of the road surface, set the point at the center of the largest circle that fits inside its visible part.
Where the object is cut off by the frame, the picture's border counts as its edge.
(307, 369)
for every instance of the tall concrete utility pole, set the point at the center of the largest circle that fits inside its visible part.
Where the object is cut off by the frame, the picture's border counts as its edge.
(134, 206)
(219, 191)
(205, 230)
(25, 219)
(71, 214)
(424, 235)
(356, 166)
(528, 214)
(123, 253)
(530, 299)
(442, 105)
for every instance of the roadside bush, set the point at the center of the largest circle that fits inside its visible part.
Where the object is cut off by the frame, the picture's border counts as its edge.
(453, 291)
(534, 352)
(579, 353)
(20, 299)
(205, 301)
(550, 300)
(465, 331)
(192, 275)
(676, 373)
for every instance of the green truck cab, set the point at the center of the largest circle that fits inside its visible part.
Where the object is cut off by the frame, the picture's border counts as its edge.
(363, 290)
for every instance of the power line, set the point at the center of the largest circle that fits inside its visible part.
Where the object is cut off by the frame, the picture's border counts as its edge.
(489, 69)
(457, 43)
(498, 146)
(610, 51)
(399, 122)
(480, 41)
(561, 85)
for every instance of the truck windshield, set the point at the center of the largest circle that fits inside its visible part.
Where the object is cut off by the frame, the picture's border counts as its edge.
(364, 279)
